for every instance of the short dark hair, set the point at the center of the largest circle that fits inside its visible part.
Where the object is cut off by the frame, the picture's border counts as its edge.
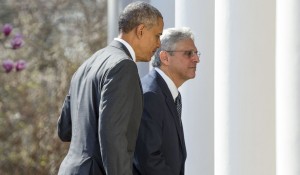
(137, 13)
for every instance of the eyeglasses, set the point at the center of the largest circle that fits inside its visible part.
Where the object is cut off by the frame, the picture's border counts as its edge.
(188, 53)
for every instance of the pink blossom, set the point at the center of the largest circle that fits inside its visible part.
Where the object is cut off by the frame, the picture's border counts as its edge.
(8, 65)
(7, 28)
(17, 42)
(20, 65)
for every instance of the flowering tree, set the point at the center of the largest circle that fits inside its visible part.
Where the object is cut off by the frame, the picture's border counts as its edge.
(42, 43)
(15, 43)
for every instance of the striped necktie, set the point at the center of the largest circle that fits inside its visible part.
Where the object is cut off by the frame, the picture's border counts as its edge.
(178, 106)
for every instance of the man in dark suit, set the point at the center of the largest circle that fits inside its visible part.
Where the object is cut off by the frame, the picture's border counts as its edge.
(102, 111)
(160, 148)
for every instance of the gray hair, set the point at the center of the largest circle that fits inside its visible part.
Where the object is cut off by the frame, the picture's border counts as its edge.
(169, 39)
(137, 13)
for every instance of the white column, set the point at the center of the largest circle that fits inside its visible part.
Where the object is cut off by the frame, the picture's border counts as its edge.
(167, 9)
(198, 93)
(244, 87)
(112, 19)
(288, 87)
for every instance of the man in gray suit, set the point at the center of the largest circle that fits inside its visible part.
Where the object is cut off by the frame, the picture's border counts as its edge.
(160, 148)
(102, 111)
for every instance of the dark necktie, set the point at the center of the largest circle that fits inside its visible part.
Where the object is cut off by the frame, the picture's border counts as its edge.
(178, 106)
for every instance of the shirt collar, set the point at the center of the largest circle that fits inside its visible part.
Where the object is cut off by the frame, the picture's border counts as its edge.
(130, 49)
(171, 85)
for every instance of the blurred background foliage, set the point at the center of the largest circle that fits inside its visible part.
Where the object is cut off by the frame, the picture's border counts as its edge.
(58, 36)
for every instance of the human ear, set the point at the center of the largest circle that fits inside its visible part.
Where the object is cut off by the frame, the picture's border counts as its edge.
(139, 30)
(163, 56)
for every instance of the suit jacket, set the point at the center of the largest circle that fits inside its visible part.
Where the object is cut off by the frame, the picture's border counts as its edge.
(101, 114)
(160, 148)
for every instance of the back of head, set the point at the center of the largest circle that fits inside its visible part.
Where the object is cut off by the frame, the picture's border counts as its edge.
(137, 13)
(168, 40)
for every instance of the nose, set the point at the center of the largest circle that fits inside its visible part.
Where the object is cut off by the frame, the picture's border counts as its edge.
(196, 58)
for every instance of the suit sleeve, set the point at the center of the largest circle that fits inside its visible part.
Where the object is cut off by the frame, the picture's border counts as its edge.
(64, 124)
(149, 158)
(120, 92)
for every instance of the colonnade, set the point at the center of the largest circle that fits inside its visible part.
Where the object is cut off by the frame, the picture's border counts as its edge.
(241, 114)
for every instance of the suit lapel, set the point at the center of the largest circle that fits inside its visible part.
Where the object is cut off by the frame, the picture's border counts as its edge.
(172, 107)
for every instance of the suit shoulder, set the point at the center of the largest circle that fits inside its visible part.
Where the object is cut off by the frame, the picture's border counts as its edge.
(113, 58)
(149, 83)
